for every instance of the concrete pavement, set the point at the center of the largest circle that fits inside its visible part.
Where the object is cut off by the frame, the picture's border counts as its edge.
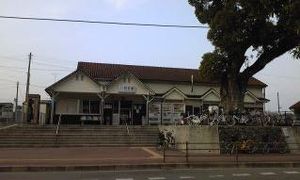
(109, 158)
(178, 174)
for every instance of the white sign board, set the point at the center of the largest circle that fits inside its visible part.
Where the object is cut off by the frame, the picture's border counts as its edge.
(127, 89)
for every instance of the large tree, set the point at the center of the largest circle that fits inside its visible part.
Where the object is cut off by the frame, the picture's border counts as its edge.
(245, 30)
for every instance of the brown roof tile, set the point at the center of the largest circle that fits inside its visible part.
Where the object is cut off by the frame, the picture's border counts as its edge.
(99, 71)
(296, 106)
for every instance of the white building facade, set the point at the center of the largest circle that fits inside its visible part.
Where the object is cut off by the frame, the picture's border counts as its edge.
(114, 94)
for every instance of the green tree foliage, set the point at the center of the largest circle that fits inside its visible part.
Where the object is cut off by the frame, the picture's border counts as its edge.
(259, 30)
(212, 66)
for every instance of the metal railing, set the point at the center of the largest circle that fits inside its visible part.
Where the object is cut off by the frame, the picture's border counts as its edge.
(284, 118)
(8, 126)
(127, 128)
(238, 152)
(58, 125)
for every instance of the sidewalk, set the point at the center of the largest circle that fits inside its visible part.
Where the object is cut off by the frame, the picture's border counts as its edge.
(100, 158)
(78, 156)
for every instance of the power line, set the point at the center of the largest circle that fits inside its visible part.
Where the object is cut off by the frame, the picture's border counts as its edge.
(51, 58)
(8, 80)
(37, 62)
(106, 22)
(34, 69)
(50, 64)
(22, 84)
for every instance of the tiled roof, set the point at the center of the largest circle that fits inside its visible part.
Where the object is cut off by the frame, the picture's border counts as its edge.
(296, 106)
(99, 71)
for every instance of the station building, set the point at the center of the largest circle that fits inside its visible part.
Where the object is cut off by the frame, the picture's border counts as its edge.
(116, 94)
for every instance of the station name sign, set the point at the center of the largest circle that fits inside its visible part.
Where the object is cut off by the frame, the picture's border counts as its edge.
(127, 89)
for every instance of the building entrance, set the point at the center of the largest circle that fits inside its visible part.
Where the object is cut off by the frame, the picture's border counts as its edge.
(132, 113)
(122, 110)
(139, 113)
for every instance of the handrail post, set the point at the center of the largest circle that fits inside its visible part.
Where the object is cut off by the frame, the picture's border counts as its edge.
(127, 129)
(236, 154)
(187, 152)
(164, 154)
(58, 124)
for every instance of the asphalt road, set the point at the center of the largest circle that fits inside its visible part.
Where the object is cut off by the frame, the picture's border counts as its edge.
(223, 174)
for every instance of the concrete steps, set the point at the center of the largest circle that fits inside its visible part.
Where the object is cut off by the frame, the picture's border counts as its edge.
(78, 136)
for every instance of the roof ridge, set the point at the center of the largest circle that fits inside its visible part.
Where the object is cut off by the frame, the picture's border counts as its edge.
(110, 70)
(146, 66)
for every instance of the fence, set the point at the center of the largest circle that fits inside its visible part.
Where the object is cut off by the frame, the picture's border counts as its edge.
(238, 152)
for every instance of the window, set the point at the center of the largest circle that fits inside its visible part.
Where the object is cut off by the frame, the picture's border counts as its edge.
(94, 107)
(189, 110)
(196, 110)
(90, 107)
(116, 107)
(86, 107)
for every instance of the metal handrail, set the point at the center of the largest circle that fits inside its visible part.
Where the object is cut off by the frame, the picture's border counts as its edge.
(187, 152)
(8, 126)
(58, 125)
(127, 128)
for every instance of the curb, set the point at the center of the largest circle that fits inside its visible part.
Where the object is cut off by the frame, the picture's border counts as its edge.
(147, 166)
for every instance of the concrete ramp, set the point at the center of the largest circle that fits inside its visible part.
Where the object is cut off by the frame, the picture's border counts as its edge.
(201, 139)
(292, 137)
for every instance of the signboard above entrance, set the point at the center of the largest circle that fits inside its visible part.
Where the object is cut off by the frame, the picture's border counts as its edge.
(127, 89)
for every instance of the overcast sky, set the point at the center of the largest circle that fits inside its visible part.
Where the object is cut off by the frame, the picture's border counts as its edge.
(57, 46)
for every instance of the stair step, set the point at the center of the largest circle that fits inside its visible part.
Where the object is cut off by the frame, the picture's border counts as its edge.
(78, 136)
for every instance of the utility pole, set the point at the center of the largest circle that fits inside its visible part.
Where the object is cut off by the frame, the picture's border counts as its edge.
(278, 103)
(16, 100)
(27, 89)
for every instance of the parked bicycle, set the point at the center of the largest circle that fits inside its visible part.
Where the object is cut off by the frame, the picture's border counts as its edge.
(248, 118)
(170, 140)
(221, 120)
(161, 140)
(194, 120)
(247, 146)
(274, 145)
(166, 140)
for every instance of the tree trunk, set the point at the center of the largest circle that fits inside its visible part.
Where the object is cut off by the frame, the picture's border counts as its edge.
(233, 91)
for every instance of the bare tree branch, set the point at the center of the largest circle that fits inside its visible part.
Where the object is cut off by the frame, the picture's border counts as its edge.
(268, 56)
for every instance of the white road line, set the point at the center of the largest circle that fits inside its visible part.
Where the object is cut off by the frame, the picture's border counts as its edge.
(186, 177)
(241, 174)
(267, 173)
(156, 178)
(124, 179)
(291, 172)
(217, 176)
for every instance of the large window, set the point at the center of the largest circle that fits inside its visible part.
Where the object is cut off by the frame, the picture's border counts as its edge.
(189, 110)
(90, 107)
(192, 110)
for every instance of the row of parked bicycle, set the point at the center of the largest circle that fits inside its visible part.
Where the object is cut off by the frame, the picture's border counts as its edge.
(166, 140)
(250, 146)
(254, 119)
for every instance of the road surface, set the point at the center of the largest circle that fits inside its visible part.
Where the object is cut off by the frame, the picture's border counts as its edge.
(178, 174)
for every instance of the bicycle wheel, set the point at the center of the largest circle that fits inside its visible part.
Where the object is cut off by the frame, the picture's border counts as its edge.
(227, 148)
(283, 148)
(266, 149)
(252, 148)
(230, 121)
